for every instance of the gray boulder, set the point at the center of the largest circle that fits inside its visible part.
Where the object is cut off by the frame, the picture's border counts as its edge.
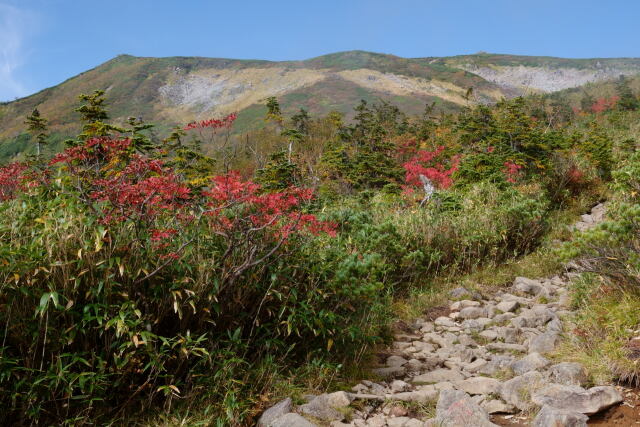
(463, 293)
(554, 417)
(324, 406)
(276, 411)
(437, 376)
(472, 313)
(292, 420)
(532, 362)
(544, 343)
(496, 406)
(568, 373)
(508, 306)
(478, 385)
(404, 422)
(533, 318)
(419, 396)
(527, 286)
(456, 409)
(459, 305)
(395, 361)
(518, 391)
(390, 372)
(576, 398)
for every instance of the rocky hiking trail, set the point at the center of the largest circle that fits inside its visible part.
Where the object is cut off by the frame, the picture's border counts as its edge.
(479, 362)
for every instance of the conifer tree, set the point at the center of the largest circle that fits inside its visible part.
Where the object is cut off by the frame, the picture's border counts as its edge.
(627, 101)
(93, 114)
(37, 127)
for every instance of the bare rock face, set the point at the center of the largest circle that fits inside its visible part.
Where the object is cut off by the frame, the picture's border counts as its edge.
(553, 417)
(456, 409)
(546, 79)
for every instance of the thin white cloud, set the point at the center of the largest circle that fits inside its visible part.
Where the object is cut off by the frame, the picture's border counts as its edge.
(15, 26)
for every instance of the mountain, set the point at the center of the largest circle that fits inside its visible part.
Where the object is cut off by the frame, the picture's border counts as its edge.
(169, 91)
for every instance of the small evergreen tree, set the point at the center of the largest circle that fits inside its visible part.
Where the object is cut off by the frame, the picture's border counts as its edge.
(93, 114)
(37, 128)
(301, 122)
(627, 101)
(139, 141)
(598, 147)
(278, 174)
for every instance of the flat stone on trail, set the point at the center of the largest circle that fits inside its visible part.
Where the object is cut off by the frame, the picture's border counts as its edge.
(324, 406)
(395, 361)
(508, 306)
(553, 417)
(532, 362)
(509, 335)
(292, 420)
(456, 409)
(473, 312)
(497, 363)
(390, 372)
(568, 373)
(502, 318)
(339, 399)
(533, 318)
(418, 396)
(517, 391)
(404, 422)
(478, 385)
(496, 406)
(576, 398)
(399, 385)
(527, 286)
(459, 305)
(544, 343)
(503, 346)
(462, 293)
(489, 334)
(444, 385)
(437, 376)
(276, 411)
(444, 321)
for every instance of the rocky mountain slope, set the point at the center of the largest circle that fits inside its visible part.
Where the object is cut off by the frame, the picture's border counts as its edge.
(174, 90)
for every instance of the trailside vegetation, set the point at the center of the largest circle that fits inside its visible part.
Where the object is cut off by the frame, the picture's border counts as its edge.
(142, 272)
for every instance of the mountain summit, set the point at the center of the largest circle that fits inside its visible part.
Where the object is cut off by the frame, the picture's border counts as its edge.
(174, 90)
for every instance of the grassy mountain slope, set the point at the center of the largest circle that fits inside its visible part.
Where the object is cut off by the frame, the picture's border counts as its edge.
(174, 90)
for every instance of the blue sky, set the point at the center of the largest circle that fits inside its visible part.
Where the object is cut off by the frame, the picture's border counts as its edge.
(43, 42)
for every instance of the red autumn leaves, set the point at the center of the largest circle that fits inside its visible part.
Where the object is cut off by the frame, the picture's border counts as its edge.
(236, 204)
(425, 163)
(122, 186)
(225, 122)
